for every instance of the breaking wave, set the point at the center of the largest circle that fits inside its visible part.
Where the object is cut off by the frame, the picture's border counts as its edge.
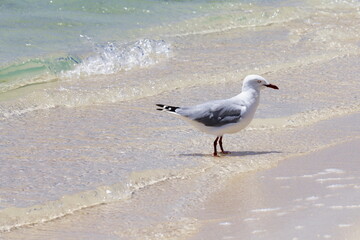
(108, 58)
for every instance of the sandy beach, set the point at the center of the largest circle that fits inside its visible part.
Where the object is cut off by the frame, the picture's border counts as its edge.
(85, 155)
(306, 195)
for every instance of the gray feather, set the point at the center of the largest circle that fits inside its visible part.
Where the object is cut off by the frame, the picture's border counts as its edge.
(213, 114)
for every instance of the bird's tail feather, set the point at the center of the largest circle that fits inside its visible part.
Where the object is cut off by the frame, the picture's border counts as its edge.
(162, 107)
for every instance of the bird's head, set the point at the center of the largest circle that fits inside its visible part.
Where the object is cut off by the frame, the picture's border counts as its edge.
(256, 82)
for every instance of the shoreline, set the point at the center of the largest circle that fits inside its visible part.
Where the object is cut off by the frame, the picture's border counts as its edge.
(239, 205)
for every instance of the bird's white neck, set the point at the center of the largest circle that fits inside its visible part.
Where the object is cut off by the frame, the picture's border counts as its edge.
(251, 96)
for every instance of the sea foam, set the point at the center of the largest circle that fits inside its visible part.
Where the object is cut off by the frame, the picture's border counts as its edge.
(112, 57)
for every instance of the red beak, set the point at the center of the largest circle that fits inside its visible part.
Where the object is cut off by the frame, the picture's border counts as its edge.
(271, 86)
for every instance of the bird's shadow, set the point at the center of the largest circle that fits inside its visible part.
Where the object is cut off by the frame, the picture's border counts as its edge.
(231, 154)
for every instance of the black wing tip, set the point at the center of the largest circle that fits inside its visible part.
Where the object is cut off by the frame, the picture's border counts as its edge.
(163, 107)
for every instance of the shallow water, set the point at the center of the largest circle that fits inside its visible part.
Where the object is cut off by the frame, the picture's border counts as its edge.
(87, 133)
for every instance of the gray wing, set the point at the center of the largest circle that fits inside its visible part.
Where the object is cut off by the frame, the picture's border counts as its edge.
(214, 114)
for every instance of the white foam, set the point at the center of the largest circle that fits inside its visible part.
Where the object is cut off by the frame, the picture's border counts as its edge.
(339, 207)
(111, 57)
(308, 176)
(251, 219)
(352, 206)
(322, 180)
(332, 170)
(344, 225)
(312, 198)
(337, 186)
(299, 227)
(258, 231)
(324, 172)
(284, 178)
(265, 210)
(225, 223)
(280, 214)
(319, 205)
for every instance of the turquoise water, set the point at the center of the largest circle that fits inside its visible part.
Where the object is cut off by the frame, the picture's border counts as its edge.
(41, 39)
(34, 28)
(37, 28)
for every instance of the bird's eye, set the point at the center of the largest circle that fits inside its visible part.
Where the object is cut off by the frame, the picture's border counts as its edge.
(259, 81)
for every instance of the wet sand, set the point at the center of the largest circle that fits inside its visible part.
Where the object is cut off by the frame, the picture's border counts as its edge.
(305, 196)
(315, 196)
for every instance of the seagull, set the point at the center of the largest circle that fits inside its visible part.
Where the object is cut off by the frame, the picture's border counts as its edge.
(225, 116)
